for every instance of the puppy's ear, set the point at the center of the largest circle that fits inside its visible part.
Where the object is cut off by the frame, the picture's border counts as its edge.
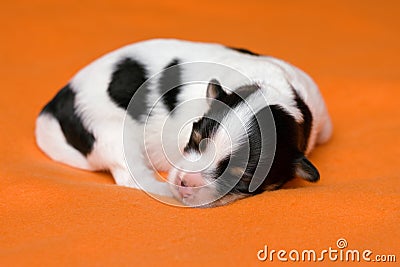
(306, 170)
(214, 91)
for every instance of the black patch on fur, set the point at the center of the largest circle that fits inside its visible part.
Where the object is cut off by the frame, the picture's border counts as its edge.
(305, 127)
(127, 78)
(283, 169)
(62, 107)
(244, 51)
(286, 151)
(215, 90)
(170, 84)
(222, 166)
(205, 127)
(209, 123)
(225, 180)
(291, 143)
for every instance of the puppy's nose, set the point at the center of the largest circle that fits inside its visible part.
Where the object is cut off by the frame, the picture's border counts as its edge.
(189, 184)
(192, 179)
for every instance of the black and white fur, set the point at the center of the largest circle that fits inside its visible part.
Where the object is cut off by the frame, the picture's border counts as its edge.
(82, 126)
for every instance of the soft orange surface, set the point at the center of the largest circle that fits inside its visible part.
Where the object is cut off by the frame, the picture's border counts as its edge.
(52, 214)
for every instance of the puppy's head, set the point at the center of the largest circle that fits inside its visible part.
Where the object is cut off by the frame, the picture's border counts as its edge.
(241, 147)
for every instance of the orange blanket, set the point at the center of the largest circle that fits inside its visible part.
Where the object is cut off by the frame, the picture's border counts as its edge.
(52, 214)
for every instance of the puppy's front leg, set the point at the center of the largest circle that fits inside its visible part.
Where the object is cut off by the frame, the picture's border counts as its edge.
(141, 178)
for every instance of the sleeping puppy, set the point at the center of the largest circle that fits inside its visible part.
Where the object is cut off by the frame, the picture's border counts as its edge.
(225, 123)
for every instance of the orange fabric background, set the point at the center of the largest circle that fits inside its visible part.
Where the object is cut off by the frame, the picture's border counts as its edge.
(52, 214)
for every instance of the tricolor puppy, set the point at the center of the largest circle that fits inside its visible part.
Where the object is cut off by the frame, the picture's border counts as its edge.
(225, 123)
